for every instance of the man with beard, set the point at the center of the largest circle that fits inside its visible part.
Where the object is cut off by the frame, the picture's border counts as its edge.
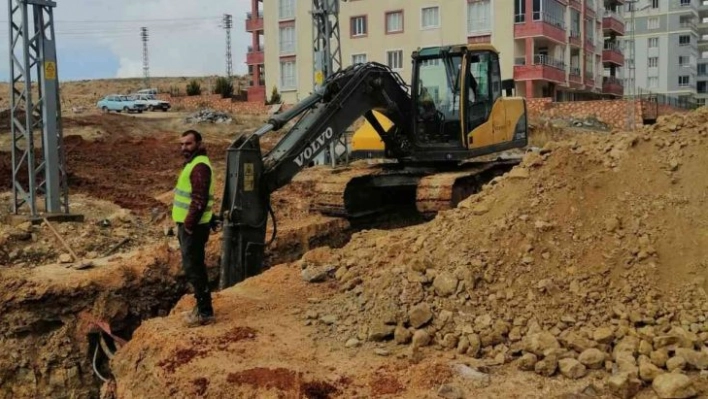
(192, 211)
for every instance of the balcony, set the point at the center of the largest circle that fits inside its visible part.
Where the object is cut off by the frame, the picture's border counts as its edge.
(590, 8)
(589, 79)
(576, 4)
(543, 68)
(612, 54)
(255, 56)
(613, 23)
(575, 38)
(612, 85)
(574, 77)
(543, 24)
(690, 25)
(254, 23)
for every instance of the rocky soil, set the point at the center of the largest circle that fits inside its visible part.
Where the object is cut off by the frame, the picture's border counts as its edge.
(581, 273)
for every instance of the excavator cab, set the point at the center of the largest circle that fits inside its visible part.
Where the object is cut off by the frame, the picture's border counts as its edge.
(458, 108)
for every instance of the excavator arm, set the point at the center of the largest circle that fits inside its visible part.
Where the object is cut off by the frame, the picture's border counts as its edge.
(324, 116)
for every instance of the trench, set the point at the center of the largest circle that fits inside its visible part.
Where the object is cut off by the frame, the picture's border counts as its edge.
(47, 348)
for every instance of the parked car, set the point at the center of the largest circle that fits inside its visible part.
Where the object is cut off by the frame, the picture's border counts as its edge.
(147, 91)
(120, 103)
(154, 103)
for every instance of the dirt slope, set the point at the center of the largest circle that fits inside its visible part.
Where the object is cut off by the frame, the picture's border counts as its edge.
(587, 261)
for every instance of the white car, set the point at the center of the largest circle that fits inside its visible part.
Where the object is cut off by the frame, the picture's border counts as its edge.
(152, 102)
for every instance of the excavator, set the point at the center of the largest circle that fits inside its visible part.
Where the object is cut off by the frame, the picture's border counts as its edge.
(435, 134)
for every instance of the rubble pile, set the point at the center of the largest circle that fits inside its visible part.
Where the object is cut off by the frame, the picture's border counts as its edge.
(208, 115)
(587, 258)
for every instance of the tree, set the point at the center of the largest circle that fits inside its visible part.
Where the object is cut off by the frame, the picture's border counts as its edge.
(224, 87)
(275, 96)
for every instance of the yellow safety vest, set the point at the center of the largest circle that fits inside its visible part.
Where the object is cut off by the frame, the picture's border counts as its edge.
(183, 192)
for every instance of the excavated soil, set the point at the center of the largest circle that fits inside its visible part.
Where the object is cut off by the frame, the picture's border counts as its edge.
(581, 273)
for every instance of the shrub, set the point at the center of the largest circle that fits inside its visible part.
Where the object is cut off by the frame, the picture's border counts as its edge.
(194, 88)
(224, 87)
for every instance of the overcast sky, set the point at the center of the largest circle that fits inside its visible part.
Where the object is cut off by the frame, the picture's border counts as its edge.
(101, 38)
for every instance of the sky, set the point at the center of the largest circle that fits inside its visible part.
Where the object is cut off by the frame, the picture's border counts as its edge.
(101, 38)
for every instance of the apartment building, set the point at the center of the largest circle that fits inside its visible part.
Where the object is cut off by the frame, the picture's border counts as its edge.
(552, 48)
(702, 67)
(666, 40)
(254, 56)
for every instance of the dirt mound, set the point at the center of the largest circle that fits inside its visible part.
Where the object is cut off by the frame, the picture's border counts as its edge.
(589, 255)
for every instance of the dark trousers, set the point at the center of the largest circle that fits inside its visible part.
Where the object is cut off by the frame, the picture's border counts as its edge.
(193, 254)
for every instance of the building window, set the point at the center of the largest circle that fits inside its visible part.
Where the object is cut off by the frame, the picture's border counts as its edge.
(652, 62)
(685, 2)
(653, 81)
(519, 11)
(684, 61)
(653, 42)
(479, 17)
(358, 25)
(654, 3)
(358, 59)
(653, 23)
(394, 22)
(684, 40)
(430, 17)
(288, 75)
(395, 59)
(286, 9)
(683, 80)
(287, 40)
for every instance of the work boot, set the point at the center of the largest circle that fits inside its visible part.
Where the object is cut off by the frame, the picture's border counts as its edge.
(196, 319)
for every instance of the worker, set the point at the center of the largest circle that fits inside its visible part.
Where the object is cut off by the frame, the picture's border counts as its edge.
(192, 211)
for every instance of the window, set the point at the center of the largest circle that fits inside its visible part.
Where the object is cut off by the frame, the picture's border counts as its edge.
(684, 61)
(358, 25)
(430, 17)
(684, 40)
(288, 79)
(395, 59)
(653, 42)
(394, 21)
(652, 62)
(653, 23)
(479, 17)
(654, 3)
(287, 40)
(683, 80)
(685, 2)
(286, 9)
(358, 58)
(519, 11)
(653, 81)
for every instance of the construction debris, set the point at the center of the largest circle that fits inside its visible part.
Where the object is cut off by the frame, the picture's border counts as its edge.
(209, 116)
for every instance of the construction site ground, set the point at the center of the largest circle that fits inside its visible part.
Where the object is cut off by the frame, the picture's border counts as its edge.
(579, 274)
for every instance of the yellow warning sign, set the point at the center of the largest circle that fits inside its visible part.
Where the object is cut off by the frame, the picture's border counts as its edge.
(50, 70)
(319, 77)
(248, 182)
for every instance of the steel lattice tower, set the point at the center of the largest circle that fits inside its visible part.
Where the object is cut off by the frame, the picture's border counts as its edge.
(229, 62)
(327, 58)
(146, 64)
(33, 52)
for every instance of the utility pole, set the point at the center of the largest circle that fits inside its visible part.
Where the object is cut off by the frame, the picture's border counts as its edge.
(32, 50)
(146, 64)
(229, 62)
(327, 58)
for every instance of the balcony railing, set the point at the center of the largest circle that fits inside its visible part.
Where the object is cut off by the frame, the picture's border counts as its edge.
(574, 70)
(613, 15)
(260, 47)
(575, 34)
(249, 15)
(688, 25)
(612, 46)
(548, 18)
(611, 80)
(542, 59)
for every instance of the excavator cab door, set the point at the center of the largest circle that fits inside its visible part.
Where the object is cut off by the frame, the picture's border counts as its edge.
(481, 87)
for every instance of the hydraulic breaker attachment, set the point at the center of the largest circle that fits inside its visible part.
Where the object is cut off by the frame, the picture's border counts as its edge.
(244, 207)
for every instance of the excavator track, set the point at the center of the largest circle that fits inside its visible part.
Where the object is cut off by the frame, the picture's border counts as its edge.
(380, 190)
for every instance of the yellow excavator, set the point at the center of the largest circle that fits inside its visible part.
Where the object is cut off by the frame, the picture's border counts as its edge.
(442, 135)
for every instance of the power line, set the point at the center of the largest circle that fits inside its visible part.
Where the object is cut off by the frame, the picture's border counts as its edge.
(103, 21)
